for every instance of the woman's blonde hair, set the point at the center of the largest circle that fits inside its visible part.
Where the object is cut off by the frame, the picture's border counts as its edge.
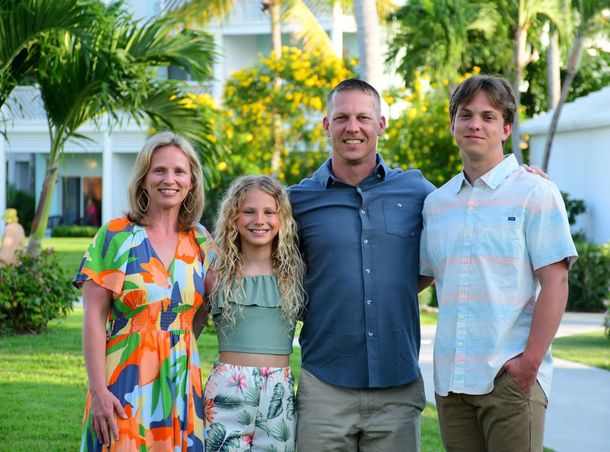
(194, 200)
(286, 259)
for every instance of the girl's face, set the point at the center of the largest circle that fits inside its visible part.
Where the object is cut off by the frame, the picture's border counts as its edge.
(258, 222)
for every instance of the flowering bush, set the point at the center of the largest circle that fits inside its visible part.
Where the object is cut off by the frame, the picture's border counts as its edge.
(419, 137)
(32, 292)
(252, 99)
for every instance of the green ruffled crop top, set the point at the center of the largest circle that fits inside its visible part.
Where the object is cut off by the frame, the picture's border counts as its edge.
(259, 325)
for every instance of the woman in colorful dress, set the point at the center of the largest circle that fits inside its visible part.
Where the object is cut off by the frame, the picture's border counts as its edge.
(256, 298)
(143, 277)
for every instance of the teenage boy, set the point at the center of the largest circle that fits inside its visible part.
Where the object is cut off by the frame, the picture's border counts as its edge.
(497, 241)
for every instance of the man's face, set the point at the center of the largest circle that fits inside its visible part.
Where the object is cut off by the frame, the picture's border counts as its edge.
(479, 129)
(353, 126)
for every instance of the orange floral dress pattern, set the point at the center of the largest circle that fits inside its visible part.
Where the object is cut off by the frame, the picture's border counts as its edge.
(152, 362)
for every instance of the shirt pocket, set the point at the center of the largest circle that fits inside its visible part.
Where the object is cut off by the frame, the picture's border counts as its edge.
(402, 218)
(500, 236)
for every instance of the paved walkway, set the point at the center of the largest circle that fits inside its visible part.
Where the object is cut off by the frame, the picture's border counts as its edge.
(578, 416)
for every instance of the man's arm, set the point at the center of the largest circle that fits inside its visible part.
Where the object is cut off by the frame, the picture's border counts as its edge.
(548, 311)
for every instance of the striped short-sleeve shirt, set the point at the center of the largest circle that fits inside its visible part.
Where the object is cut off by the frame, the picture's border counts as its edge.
(482, 243)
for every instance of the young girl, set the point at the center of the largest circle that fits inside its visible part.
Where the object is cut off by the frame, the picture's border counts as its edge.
(257, 295)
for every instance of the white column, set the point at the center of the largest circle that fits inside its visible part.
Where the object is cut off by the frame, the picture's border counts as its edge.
(336, 28)
(107, 182)
(3, 179)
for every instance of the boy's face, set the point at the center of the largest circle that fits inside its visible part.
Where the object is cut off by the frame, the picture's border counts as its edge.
(479, 129)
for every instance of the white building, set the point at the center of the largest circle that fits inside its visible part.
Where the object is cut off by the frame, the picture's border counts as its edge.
(580, 157)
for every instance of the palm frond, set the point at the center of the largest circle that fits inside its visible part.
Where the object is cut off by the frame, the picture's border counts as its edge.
(307, 29)
(199, 11)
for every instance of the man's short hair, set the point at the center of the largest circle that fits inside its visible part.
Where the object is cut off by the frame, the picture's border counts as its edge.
(353, 84)
(499, 91)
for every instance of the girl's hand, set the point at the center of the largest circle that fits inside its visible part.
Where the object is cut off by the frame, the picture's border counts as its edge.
(103, 421)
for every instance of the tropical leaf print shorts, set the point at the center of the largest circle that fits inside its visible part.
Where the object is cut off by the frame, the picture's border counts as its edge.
(249, 408)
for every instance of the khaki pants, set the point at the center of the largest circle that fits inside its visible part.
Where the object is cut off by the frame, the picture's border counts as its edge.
(505, 420)
(333, 418)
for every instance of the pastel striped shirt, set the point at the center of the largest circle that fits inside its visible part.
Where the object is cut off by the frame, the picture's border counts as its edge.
(482, 243)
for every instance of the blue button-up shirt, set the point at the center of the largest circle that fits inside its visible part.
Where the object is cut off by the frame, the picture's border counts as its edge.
(361, 245)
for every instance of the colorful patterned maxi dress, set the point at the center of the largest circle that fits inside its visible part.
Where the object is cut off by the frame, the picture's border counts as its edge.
(152, 363)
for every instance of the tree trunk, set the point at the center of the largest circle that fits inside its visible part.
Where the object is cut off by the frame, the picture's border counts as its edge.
(41, 217)
(369, 42)
(553, 73)
(565, 90)
(276, 41)
(519, 63)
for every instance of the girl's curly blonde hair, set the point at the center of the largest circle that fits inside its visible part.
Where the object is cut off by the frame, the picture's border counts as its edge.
(286, 259)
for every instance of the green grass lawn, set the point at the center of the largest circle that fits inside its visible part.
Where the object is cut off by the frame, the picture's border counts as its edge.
(43, 384)
(592, 349)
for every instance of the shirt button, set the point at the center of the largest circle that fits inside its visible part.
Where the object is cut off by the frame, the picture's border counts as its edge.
(366, 241)
(369, 301)
(470, 209)
(367, 270)
(461, 316)
(399, 204)
(358, 189)
(371, 333)
(460, 344)
(363, 211)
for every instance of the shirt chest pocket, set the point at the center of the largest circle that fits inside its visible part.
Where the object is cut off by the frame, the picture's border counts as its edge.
(499, 236)
(402, 218)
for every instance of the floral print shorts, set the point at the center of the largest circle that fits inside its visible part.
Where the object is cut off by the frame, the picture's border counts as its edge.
(249, 408)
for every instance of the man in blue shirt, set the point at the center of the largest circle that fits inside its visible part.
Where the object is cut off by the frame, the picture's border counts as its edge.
(360, 221)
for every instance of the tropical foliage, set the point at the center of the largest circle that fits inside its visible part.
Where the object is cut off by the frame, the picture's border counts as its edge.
(419, 137)
(32, 292)
(251, 96)
(503, 37)
(107, 65)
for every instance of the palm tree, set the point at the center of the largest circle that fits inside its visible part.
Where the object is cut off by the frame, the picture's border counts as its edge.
(592, 19)
(369, 41)
(110, 72)
(23, 23)
(528, 12)
(444, 38)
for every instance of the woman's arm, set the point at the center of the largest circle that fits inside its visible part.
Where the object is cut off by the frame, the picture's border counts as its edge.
(201, 316)
(96, 302)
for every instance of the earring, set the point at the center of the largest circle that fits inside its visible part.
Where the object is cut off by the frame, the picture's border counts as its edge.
(147, 201)
(191, 202)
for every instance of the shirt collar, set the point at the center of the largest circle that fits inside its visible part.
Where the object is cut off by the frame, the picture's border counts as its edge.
(493, 178)
(327, 179)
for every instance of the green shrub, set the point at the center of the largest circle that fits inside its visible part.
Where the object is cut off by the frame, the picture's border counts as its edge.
(574, 207)
(32, 292)
(590, 278)
(73, 230)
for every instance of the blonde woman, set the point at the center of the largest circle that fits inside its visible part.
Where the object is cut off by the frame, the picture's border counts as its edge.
(257, 296)
(143, 281)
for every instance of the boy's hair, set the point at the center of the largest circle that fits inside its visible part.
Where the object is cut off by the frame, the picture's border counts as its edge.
(286, 259)
(499, 91)
(353, 84)
(186, 218)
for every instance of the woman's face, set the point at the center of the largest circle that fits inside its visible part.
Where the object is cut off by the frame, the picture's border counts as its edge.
(169, 178)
